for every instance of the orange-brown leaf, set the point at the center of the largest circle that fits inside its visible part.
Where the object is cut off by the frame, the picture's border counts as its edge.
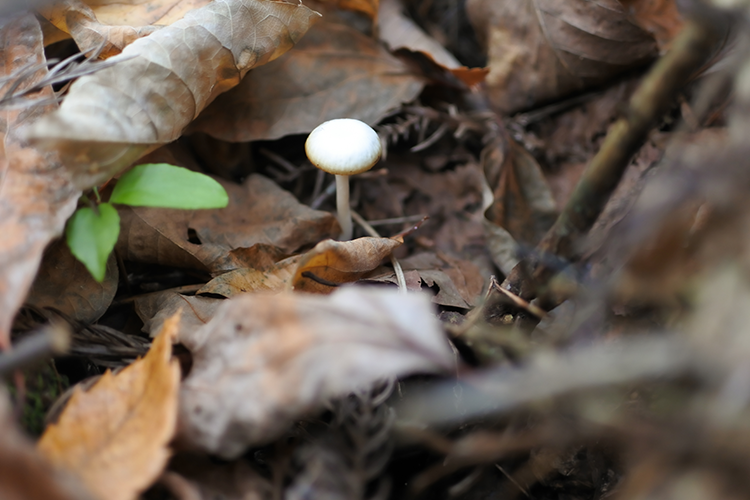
(114, 436)
(332, 263)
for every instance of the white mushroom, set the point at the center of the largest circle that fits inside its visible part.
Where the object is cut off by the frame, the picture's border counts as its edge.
(343, 147)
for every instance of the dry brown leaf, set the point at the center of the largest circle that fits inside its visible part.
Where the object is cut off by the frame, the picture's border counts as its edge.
(399, 31)
(36, 192)
(161, 82)
(334, 71)
(265, 361)
(63, 283)
(523, 207)
(155, 309)
(320, 270)
(143, 12)
(459, 283)
(333, 263)
(80, 21)
(114, 436)
(661, 18)
(452, 199)
(274, 278)
(543, 49)
(258, 212)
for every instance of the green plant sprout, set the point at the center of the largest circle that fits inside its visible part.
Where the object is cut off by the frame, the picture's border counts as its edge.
(92, 231)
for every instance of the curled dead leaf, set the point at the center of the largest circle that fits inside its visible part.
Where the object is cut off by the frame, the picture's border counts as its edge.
(332, 263)
(265, 361)
(161, 82)
(544, 49)
(114, 436)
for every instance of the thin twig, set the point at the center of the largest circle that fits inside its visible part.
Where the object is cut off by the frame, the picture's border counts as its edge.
(652, 100)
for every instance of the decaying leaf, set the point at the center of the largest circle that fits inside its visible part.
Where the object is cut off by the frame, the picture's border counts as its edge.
(544, 49)
(661, 18)
(258, 212)
(274, 278)
(161, 82)
(333, 71)
(332, 263)
(65, 284)
(267, 360)
(80, 21)
(320, 270)
(399, 31)
(458, 283)
(523, 207)
(114, 436)
(36, 192)
(155, 309)
(74, 17)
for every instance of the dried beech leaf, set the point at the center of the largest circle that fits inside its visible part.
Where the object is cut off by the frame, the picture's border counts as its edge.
(161, 82)
(64, 283)
(258, 212)
(334, 71)
(136, 13)
(250, 279)
(399, 31)
(155, 309)
(332, 263)
(267, 360)
(544, 49)
(114, 436)
(36, 193)
(80, 21)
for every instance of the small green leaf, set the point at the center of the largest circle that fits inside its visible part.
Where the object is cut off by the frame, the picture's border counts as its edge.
(91, 237)
(166, 186)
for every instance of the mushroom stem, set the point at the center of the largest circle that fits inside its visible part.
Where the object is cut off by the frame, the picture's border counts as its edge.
(342, 207)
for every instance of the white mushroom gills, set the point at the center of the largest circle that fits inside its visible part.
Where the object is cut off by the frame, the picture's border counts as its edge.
(343, 147)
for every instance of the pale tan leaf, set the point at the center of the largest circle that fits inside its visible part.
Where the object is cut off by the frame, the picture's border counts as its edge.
(114, 436)
(36, 192)
(543, 49)
(332, 263)
(267, 360)
(258, 212)
(161, 82)
(334, 71)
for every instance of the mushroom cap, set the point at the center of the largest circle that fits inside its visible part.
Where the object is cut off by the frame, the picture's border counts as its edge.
(344, 146)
